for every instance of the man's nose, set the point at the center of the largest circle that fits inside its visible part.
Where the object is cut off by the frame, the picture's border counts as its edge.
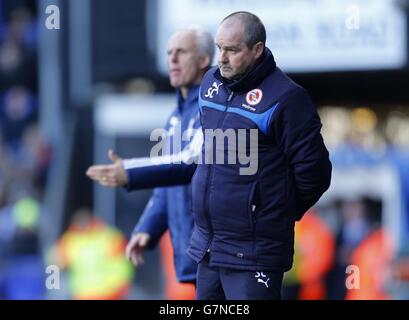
(173, 58)
(223, 58)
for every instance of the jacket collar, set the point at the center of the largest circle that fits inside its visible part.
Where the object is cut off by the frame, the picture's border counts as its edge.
(253, 77)
(191, 98)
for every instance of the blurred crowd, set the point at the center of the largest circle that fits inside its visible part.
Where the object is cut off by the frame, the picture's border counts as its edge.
(90, 252)
(24, 155)
(347, 238)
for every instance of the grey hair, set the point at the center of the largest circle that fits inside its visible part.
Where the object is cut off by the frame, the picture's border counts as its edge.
(204, 41)
(254, 30)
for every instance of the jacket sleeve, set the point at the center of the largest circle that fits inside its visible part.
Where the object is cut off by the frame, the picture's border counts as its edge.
(166, 170)
(154, 219)
(297, 130)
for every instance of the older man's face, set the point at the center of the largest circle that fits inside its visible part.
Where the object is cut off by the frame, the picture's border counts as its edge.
(183, 60)
(234, 57)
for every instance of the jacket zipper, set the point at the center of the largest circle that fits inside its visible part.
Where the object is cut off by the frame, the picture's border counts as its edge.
(209, 177)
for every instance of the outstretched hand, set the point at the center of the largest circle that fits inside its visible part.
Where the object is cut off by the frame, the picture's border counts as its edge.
(109, 175)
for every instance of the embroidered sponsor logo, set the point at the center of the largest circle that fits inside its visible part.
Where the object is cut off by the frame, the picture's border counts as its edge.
(248, 107)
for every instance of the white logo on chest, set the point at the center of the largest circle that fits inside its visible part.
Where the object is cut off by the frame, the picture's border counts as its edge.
(214, 89)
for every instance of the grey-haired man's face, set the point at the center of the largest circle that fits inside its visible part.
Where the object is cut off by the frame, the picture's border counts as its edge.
(183, 60)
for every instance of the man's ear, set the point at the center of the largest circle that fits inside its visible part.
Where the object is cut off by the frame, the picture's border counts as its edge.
(258, 49)
(204, 62)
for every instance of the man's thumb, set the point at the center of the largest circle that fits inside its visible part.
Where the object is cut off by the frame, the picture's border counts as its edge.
(113, 156)
(143, 241)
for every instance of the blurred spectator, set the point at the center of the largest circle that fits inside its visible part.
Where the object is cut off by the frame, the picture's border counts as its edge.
(17, 57)
(373, 257)
(313, 258)
(34, 156)
(22, 27)
(17, 112)
(92, 252)
(355, 227)
(174, 290)
(21, 258)
(360, 218)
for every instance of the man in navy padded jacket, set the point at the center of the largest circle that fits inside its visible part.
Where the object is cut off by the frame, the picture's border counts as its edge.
(190, 53)
(245, 211)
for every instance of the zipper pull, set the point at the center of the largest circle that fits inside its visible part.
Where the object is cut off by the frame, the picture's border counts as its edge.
(230, 96)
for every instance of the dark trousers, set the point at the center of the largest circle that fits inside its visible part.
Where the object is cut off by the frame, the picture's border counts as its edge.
(218, 283)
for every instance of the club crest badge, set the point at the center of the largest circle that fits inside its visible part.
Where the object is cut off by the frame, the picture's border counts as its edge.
(254, 97)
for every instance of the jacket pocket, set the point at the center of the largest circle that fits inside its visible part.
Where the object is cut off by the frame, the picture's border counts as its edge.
(290, 183)
(252, 205)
